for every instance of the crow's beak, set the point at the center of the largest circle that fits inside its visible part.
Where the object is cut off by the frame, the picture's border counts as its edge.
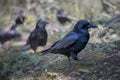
(46, 22)
(91, 25)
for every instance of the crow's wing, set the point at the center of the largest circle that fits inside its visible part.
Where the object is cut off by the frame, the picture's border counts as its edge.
(67, 41)
(31, 37)
(35, 36)
(47, 50)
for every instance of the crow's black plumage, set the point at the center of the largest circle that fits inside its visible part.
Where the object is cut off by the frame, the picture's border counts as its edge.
(38, 36)
(20, 19)
(8, 35)
(62, 17)
(73, 42)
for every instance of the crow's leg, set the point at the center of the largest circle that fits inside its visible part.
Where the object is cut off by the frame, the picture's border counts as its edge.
(69, 62)
(34, 48)
(74, 56)
(34, 51)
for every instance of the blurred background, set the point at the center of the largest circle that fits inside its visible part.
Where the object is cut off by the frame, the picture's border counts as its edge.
(100, 59)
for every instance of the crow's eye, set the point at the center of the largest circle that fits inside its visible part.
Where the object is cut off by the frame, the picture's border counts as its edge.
(85, 25)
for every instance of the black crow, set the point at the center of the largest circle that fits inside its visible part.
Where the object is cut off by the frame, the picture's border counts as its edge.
(11, 33)
(73, 42)
(20, 19)
(62, 17)
(8, 35)
(38, 36)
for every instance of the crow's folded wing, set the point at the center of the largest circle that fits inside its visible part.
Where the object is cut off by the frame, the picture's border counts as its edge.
(67, 41)
(31, 37)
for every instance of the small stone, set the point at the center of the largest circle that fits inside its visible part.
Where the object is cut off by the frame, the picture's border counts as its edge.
(84, 70)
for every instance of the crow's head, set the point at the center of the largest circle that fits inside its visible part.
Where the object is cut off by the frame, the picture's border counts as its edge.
(41, 23)
(20, 19)
(60, 11)
(84, 24)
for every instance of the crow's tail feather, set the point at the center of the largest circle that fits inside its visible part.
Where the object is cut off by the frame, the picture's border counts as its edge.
(44, 52)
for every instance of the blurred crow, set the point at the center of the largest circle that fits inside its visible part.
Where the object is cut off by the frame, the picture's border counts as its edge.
(38, 36)
(73, 42)
(113, 20)
(11, 33)
(20, 19)
(8, 35)
(62, 17)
